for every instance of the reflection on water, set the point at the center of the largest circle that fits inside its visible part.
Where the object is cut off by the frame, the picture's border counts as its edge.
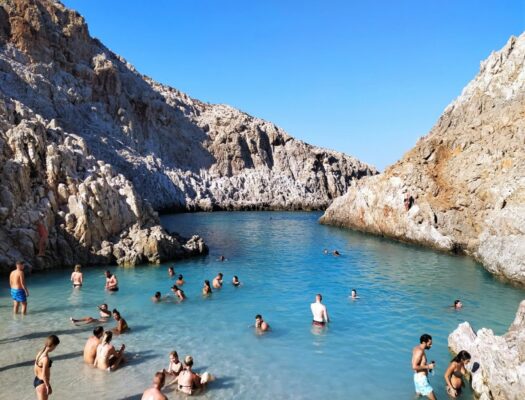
(363, 354)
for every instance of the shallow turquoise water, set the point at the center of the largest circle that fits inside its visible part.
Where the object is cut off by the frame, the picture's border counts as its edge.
(364, 354)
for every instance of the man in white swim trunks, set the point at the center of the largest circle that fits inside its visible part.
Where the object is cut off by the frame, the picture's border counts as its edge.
(421, 368)
(319, 312)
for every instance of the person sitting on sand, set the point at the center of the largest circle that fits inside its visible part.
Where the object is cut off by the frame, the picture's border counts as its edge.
(111, 282)
(455, 372)
(260, 324)
(107, 357)
(175, 366)
(189, 381)
(156, 297)
(235, 281)
(90, 348)
(171, 271)
(217, 281)
(319, 312)
(354, 295)
(179, 281)
(206, 290)
(457, 304)
(104, 313)
(179, 293)
(122, 325)
(154, 393)
(76, 277)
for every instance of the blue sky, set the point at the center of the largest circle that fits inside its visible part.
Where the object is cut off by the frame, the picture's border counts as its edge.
(364, 77)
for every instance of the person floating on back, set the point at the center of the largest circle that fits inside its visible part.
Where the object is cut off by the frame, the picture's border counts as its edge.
(319, 312)
(104, 313)
(19, 291)
(111, 282)
(421, 367)
(76, 277)
(154, 392)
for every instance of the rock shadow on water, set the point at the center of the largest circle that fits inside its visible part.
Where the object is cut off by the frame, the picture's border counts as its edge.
(44, 334)
(31, 362)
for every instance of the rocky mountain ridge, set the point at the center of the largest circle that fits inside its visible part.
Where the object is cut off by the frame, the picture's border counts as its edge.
(89, 147)
(462, 187)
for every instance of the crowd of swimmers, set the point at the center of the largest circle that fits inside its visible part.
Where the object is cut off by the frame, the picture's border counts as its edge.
(101, 353)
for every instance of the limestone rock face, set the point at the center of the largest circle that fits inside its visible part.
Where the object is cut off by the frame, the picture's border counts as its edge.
(92, 214)
(178, 152)
(465, 180)
(501, 375)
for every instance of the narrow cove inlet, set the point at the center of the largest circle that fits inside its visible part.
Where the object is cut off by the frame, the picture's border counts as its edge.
(364, 353)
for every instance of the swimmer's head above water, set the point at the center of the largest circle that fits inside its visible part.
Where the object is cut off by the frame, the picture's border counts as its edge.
(458, 304)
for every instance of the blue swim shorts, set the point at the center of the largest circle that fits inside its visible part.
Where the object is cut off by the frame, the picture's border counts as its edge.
(18, 295)
(421, 384)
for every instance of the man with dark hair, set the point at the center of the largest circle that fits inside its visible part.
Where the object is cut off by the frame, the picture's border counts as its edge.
(421, 367)
(90, 349)
(261, 324)
(154, 393)
(111, 282)
(19, 291)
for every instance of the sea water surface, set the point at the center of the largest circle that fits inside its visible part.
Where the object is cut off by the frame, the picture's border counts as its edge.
(364, 353)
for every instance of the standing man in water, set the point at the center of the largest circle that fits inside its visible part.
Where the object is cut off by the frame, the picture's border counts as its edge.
(19, 291)
(111, 282)
(319, 312)
(421, 367)
(217, 281)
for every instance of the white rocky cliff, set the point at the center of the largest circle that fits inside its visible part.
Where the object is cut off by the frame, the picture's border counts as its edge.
(179, 153)
(462, 187)
(501, 359)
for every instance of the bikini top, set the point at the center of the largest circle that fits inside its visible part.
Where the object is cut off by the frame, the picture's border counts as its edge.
(41, 366)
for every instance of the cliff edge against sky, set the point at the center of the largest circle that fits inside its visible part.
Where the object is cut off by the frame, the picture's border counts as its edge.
(89, 147)
(462, 187)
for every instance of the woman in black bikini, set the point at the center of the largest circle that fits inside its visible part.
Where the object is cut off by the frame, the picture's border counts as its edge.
(42, 368)
(455, 372)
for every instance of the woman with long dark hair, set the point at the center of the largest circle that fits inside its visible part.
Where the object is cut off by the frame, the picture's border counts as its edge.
(455, 372)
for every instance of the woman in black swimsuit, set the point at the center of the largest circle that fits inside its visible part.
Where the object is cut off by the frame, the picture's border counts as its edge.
(42, 368)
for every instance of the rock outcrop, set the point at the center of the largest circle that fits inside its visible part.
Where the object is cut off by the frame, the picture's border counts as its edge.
(501, 359)
(51, 186)
(89, 147)
(462, 187)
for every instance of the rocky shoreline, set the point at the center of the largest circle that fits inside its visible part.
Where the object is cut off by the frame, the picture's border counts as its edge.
(501, 359)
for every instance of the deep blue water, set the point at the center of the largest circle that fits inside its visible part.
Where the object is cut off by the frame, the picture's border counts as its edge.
(364, 353)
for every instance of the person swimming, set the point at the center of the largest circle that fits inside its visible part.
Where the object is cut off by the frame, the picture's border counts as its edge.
(42, 368)
(457, 304)
(77, 277)
(111, 282)
(107, 358)
(260, 324)
(171, 271)
(221, 258)
(156, 297)
(122, 325)
(180, 280)
(206, 289)
(104, 313)
(217, 281)
(319, 312)
(455, 372)
(336, 253)
(178, 292)
(353, 295)
(235, 281)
